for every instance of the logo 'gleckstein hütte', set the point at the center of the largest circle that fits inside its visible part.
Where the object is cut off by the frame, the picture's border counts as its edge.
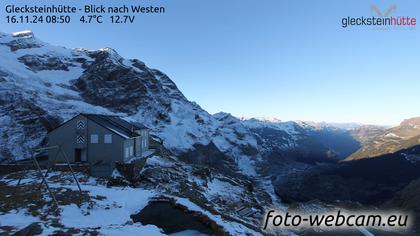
(383, 20)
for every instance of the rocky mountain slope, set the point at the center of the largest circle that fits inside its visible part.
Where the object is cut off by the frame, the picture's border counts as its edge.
(42, 85)
(379, 141)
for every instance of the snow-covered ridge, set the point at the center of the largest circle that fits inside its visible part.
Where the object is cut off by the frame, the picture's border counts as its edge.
(276, 123)
(270, 119)
(288, 126)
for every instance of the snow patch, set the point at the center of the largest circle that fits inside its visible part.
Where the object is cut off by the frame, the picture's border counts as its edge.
(392, 135)
(17, 218)
(23, 34)
(221, 188)
(158, 161)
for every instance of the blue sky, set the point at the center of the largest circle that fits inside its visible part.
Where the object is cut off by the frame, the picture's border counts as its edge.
(287, 59)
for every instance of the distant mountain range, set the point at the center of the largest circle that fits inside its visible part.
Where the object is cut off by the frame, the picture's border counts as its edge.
(309, 141)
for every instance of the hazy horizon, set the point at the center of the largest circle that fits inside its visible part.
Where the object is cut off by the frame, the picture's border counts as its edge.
(271, 118)
(290, 60)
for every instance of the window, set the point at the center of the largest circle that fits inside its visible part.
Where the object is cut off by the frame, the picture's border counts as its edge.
(131, 151)
(144, 143)
(94, 138)
(108, 138)
(126, 152)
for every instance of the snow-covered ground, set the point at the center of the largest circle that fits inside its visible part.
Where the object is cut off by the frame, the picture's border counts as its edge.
(106, 212)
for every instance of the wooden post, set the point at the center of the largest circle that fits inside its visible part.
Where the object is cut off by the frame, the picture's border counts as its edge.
(71, 169)
(43, 179)
(49, 167)
(21, 176)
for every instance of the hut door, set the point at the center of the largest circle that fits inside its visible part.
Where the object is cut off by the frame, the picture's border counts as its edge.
(77, 155)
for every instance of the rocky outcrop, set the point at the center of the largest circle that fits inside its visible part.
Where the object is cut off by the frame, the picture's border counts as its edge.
(30, 230)
(109, 83)
(23, 42)
(44, 62)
